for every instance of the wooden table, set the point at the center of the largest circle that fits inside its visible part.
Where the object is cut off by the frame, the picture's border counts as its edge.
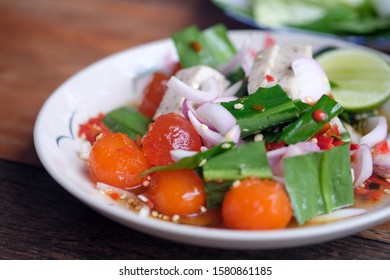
(42, 43)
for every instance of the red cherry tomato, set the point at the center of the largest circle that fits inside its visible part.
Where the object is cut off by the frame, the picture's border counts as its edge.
(153, 94)
(169, 132)
(178, 192)
(117, 161)
(256, 204)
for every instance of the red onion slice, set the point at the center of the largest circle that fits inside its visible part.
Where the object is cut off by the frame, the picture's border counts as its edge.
(311, 79)
(382, 162)
(188, 106)
(216, 116)
(195, 95)
(233, 135)
(212, 85)
(362, 165)
(235, 61)
(275, 157)
(233, 89)
(210, 138)
(224, 99)
(382, 165)
(377, 127)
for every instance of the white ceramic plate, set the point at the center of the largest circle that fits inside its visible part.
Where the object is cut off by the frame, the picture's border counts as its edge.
(115, 81)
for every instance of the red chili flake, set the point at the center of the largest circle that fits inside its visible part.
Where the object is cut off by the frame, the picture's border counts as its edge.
(258, 107)
(114, 195)
(196, 46)
(252, 53)
(323, 130)
(93, 128)
(376, 194)
(353, 146)
(319, 115)
(381, 148)
(335, 130)
(274, 146)
(325, 142)
(337, 142)
(375, 179)
(361, 191)
(269, 41)
(270, 78)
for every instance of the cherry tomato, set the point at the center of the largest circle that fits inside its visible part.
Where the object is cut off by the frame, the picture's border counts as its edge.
(153, 94)
(178, 192)
(256, 204)
(169, 132)
(117, 161)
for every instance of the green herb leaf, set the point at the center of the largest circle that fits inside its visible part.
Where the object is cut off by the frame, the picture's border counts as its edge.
(214, 48)
(215, 192)
(267, 107)
(319, 183)
(305, 127)
(238, 163)
(127, 120)
(188, 56)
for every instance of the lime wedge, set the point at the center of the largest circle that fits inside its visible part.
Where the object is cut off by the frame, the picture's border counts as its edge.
(362, 77)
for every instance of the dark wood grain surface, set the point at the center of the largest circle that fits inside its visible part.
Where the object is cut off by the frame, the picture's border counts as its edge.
(42, 43)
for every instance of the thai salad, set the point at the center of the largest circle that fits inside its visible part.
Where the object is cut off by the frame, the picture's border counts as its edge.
(247, 140)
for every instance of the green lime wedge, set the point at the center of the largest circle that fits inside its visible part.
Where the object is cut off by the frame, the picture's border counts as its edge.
(361, 77)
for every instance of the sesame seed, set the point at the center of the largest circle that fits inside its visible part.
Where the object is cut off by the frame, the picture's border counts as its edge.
(154, 213)
(314, 140)
(146, 183)
(175, 218)
(309, 99)
(148, 177)
(258, 137)
(238, 106)
(204, 127)
(123, 196)
(203, 209)
(203, 149)
(165, 217)
(144, 212)
(236, 183)
(226, 146)
(245, 129)
(387, 191)
(202, 162)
